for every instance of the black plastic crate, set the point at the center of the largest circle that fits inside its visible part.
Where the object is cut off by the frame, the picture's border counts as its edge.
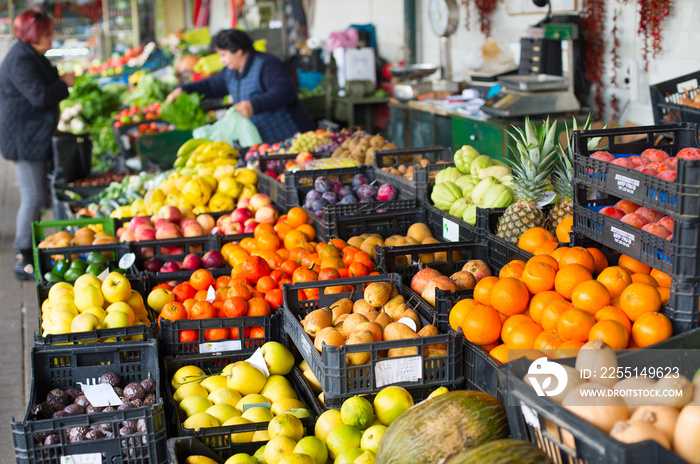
(680, 198)
(451, 229)
(666, 99)
(501, 250)
(384, 224)
(120, 335)
(678, 258)
(172, 346)
(416, 188)
(196, 245)
(62, 367)
(340, 380)
(46, 257)
(276, 190)
(219, 438)
(554, 429)
(180, 448)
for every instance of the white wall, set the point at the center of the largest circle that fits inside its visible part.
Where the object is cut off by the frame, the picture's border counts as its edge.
(680, 35)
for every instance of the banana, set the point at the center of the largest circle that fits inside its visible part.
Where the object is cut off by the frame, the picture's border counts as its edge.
(189, 146)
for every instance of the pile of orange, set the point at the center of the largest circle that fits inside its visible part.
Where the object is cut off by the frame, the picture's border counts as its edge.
(562, 299)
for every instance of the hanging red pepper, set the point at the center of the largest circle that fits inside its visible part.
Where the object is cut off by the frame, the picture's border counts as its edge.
(485, 8)
(592, 23)
(651, 14)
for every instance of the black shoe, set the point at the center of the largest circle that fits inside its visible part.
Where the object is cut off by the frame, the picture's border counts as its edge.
(24, 266)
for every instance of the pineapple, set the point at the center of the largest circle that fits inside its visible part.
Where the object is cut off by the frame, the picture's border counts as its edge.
(536, 153)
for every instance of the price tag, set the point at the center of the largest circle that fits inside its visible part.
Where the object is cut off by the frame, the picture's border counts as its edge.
(256, 405)
(101, 395)
(546, 199)
(450, 230)
(408, 322)
(530, 415)
(390, 371)
(258, 361)
(220, 347)
(103, 275)
(211, 294)
(87, 458)
(214, 230)
(127, 261)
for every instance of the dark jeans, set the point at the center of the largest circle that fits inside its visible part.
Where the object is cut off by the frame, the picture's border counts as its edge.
(31, 178)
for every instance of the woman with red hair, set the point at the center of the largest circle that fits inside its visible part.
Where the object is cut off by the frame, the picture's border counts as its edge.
(30, 91)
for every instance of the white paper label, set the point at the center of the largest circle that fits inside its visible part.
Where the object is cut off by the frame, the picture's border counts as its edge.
(220, 347)
(408, 322)
(211, 294)
(450, 230)
(530, 415)
(103, 275)
(88, 458)
(390, 371)
(258, 360)
(214, 230)
(101, 395)
(546, 199)
(625, 239)
(127, 261)
(256, 405)
(626, 184)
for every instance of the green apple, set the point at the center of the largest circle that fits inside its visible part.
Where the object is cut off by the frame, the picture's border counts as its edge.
(371, 437)
(87, 297)
(224, 395)
(296, 458)
(85, 322)
(277, 447)
(223, 412)
(200, 420)
(368, 457)
(116, 287)
(260, 454)
(278, 392)
(123, 307)
(314, 448)
(241, 458)
(159, 298)
(348, 455)
(261, 435)
(187, 374)
(58, 327)
(116, 319)
(246, 378)
(191, 405)
(213, 382)
(278, 358)
(189, 389)
(258, 414)
(87, 280)
(276, 379)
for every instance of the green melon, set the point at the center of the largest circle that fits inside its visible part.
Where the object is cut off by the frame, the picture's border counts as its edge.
(507, 451)
(443, 426)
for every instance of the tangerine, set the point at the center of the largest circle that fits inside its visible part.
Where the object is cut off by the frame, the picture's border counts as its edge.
(254, 268)
(295, 238)
(500, 353)
(282, 229)
(645, 279)
(533, 238)
(651, 328)
(201, 279)
(188, 336)
(547, 248)
(510, 323)
(614, 314)
(578, 255)
(601, 261)
(639, 298)
(268, 241)
(538, 276)
(263, 228)
(459, 311)
(275, 298)
(219, 333)
(297, 216)
(611, 332)
(258, 307)
(547, 340)
(308, 230)
(569, 276)
(575, 324)
(538, 303)
(558, 252)
(615, 279)
(564, 229)
(482, 325)
(183, 291)
(665, 294)
(173, 311)
(202, 310)
(553, 311)
(265, 284)
(590, 296)
(482, 290)
(544, 258)
(523, 336)
(633, 266)
(514, 268)
(357, 269)
(661, 278)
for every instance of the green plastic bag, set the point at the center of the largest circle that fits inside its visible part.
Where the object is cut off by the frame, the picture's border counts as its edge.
(231, 127)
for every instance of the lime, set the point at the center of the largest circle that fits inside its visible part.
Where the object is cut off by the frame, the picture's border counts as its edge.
(79, 264)
(342, 437)
(391, 402)
(287, 425)
(314, 447)
(61, 266)
(95, 269)
(260, 454)
(241, 458)
(357, 411)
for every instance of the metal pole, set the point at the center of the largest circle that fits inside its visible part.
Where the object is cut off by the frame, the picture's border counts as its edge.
(410, 31)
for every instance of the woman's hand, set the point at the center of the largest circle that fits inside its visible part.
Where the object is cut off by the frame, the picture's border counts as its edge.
(173, 95)
(69, 79)
(244, 108)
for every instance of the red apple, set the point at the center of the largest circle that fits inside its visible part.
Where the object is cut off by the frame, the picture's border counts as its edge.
(145, 233)
(635, 220)
(170, 266)
(303, 157)
(160, 222)
(170, 230)
(667, 222)
(689, 153)
(171, 213)
(638, 160)
(626, 206)
(441, 282)
(120, 231)
(241, 214)
(603, 156)
(192, 262)
(137, 221)
(187, 221)
(243, 203)
(207, 222)
(232, 228)
(478, 268)
(624, 162)
(249, 226)
(152, 265)
(259, 200)
(612, 212)
(222, 221)
(267, 214)
(653, 154)
(646, 170)
(656, 229)
(667, 175)
(649, 214)
(421, 279)
(127, 237)
(193, 229)
(213, 259)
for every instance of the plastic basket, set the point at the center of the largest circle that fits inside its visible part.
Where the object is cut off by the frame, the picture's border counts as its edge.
(680, 198)
(340, 380)
(679, 257)
(42, 229)
(219, 438)
(125, 143)
(180, 448)
(415, 188)
(161, 149)
(46, 257)
(666, 97)
(384, 224)
(451, 229)
(502, 251)
(62, 367)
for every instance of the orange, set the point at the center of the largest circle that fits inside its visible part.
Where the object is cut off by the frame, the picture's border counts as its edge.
(282, 229)
(510, 323)
(221, 282)
(575, 324)
(308, 230)
(202, 310)
(357, 270)
(164, 285)
(601, 261)
(533, 238)
(590, 296)
(258, 307)
(237, 257)
(538, 277)
(633, 266)
(500, 353)
(482, 325)
(254, 268)
(332, 262)
(173, 311)
(257, 331)
(263, 228)
(304, 275)
(544, 258)
(482, 290)
(547, 248)
(558, 252)
(567, 349)
(311, 261)
(564, 229)
(274, 298)
(183, 291)
(509, 296)
(547, 340)
(645, 279)
(272, 258)
(569, 276)
(328, 273)
(240, 290)
(187, 336)
(578, 255)
(523, 336)
(265, 284)
(364, 258)
(615, 302)
(614, 314)
(639, 298)
(268, 241)
(201, 295)
(512, 269)
(665, 294)
(227, 248)
(538, 303)
(248, 244)
(615, 279)
(459, 311)
(297, 216)
(553, 311)
(201, 279)
(219, 333)
(339, 243)
(611, 332)
(234, 306)
(663, 279)
(294, 238)
(282, 253)
(651, 328)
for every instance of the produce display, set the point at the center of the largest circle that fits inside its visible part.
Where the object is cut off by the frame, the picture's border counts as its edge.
(136, 115)
(82, 237)
(69, 270)
(644, 218)
(328, 192)
(653, 162)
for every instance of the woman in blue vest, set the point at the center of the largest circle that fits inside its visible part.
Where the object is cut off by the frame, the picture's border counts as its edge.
(260, 85)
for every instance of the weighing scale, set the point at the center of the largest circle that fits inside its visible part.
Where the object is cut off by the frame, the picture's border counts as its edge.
(412, 85)
(534, 94)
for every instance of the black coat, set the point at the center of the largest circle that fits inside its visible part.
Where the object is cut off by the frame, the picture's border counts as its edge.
(30, 91)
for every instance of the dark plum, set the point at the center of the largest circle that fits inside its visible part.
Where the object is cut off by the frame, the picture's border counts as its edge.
(366, 191)
(60, 414)
(94, 434)
(74, 409)
(344, 191)
(52, 439)
(149, 385)
(323, 184)
(110, 378)
(366, 199)
(330, 197)
(82, 400)
(43, 411)
(312, 195)
(134, 391)
(336, 185)
(318, 205)
(348, 200)
(73, 393)
(58, 396)
(359, 179)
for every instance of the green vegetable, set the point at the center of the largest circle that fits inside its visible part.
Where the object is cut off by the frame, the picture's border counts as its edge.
(149, 90)
(185, 112)
(448, 174)
(445, 194)
(463, 158)
(469, 215)
(481, 162)
(467, 184)
(481, 188)
(459, 207)
(498, 196)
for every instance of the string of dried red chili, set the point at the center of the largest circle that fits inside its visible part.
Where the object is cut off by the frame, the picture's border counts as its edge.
(485, 9)
(592, 23)
(651, 14)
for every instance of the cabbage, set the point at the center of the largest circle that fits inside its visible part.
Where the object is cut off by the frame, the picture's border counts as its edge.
(467, 183)
(483, 161)
(469, 215)
(481, 188)
(498, 196)
(447, 175)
